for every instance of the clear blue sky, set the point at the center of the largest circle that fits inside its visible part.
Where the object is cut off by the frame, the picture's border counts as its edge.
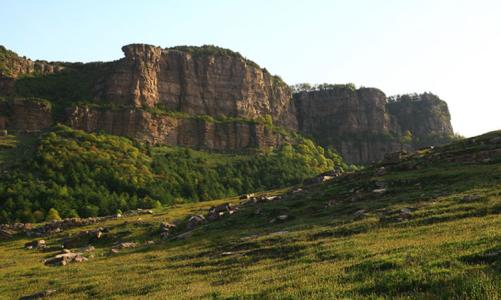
(449, 47)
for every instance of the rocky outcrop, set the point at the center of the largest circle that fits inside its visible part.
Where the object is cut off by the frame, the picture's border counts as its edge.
(204, 81)
(25, 115)
(188, 88)
(423, 115)
(362, 125)
(14, 66)
(195, 132)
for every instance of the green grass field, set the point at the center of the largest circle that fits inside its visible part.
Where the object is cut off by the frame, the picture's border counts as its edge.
(446, 246)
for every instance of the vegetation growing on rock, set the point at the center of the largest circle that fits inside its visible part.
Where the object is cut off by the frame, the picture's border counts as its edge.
(86, 174)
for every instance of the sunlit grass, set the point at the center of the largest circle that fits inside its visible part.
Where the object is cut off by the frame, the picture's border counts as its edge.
(449, 248)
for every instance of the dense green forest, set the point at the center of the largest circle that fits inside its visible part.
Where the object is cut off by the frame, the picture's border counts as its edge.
(85, 174)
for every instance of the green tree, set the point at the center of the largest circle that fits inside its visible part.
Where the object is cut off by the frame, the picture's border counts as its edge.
(406, 139)
(53, 215)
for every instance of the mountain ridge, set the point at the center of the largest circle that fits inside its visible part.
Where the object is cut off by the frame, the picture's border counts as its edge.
(219, 83)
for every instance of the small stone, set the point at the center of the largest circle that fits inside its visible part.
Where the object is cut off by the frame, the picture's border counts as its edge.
(195, 221)
(379, 191)
(280, 232)
(36, 244)
(166, 226)
(405, 213)
(185, 235)
(380, 184)
(359, 214)
(283, 217)
(227, 253)
(246, 197)
(381, 171)
(126, 245)
(330, 203)
(64, 258)
(471, 197)
(89, 248)
(38, 295)
(492, 254)
(6, 234)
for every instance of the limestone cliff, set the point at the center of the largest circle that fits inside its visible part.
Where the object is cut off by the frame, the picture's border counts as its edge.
(174, 95)
(363, 125)
(425, 116)
(204, 81)
(25, 115)
(13, 65)
(192, 132)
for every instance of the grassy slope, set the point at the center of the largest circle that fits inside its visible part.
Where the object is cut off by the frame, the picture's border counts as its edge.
(325, 253)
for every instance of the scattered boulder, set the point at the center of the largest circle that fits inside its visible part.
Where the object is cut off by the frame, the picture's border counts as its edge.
(165, 229)
(36, 244)
(280, 218)
(166, 226)
(379, 191)
(140, 211)
(280, 232)
(260, 199)
(360, 214)
(219, 211)
(84, 237)
(357, 196)
(380, 184)
(124, 245)
(6, 234)
(471, 197)
(247, 197)
(165, 235)
(405, 214)
(492, 254)
(195, 221)
(64, 258)
(250, 237)
(38, 295)
(318, 179)
(185, 235)
(330, 203)
(381, 171)
(89, 248)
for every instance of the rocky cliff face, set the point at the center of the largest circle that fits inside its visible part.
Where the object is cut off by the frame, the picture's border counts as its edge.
(187, 86)
(13, 65)
(423, 115)
(198, 82)
(25, 115)
(362, 125)
(163, 129)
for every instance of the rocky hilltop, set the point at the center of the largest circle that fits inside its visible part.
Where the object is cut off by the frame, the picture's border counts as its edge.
(213, 98)
(198, 81)
(363, 125)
